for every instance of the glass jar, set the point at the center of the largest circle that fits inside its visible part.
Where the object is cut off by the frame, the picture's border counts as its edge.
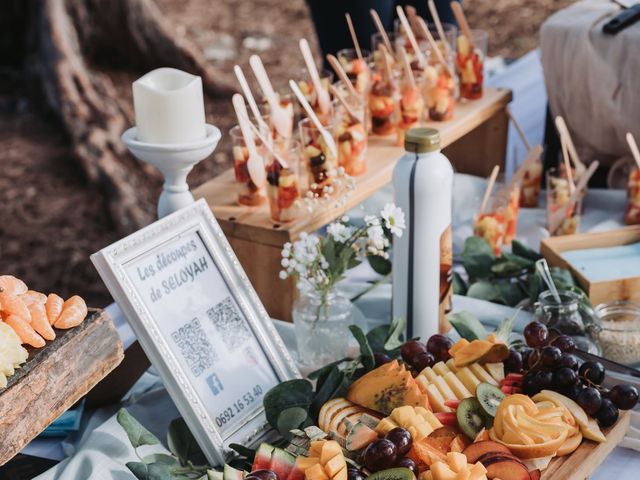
(619, 334)
(570, 317)
(322, 327)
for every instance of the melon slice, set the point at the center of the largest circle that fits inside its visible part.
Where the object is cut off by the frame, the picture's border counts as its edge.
(457, 386)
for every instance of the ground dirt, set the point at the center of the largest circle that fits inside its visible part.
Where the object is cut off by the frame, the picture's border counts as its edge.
(51, 219)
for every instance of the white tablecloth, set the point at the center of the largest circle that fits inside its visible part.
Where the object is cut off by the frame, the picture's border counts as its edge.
(102, 449)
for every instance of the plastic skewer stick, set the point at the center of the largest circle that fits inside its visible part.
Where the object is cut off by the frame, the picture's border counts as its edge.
(439, 27)
(324, 101)
(410, 35)
(381, 30)
(354, 37)
(532, 155)
(487, 192)
(412, 16)
(335, 63)
(269, 146)
(462, 22)
(255, 163)
(434, 46)
(344, 102)
(407, 67)
(519, 129)
(634, 148)
(567, 163)
(543, 268)
(250, 98)
(557, 217)
(385, 62)
(328, 139)
(278, 115)
(561, 125)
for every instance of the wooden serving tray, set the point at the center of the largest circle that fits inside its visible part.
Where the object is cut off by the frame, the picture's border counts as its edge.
(598, 291)
(54, 378)
(584, 461)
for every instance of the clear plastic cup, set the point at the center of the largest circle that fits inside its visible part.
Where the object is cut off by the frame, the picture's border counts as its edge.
(411, 104)
(351, 133)
(492, 223)
(470, 64)
(284, 187)
(248, 193)
(319, 161)
(357, 70)
(558, 195)
(531, 184)
(511, 192)
(384, 105)
(288, 103)
(439, 89)
(632, 212)
(308, 89)
(450, 36)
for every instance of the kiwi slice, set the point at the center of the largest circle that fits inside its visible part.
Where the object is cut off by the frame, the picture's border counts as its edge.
(400, 473)
(471, 417)
(489, 397)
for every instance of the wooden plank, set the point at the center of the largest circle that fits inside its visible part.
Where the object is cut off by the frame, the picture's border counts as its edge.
(589, 455)
(254, 224)
(600, 291)
(54, 378)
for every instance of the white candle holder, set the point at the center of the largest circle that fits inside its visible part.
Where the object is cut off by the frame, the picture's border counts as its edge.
(175, 161)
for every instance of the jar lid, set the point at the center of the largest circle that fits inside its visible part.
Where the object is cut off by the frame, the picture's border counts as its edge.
(422, 140)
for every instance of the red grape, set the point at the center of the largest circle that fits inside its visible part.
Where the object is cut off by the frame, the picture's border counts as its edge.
(381, 358)
(422, 361)
(592, 371)
(354, 473)
(589, 399)
(549, 356)
(536, 334)
(608, 413)
(513, 363)
(624, 396)
(379, 455)
(564, 377)
(406, 462)
(401, 438)
(565, 343)
(568, 360)
(411, 350)
(439, 346)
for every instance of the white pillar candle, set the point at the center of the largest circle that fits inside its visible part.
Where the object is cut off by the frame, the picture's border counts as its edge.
(169, 107)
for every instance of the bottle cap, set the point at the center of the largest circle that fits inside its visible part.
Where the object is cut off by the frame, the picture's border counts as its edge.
(422, 140)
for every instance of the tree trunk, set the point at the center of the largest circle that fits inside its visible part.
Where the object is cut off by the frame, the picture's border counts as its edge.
(69, 39)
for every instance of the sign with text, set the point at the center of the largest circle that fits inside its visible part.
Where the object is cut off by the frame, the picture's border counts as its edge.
(201, 324)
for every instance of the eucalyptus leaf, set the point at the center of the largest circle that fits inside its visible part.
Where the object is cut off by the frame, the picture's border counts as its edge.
(290, 419)
(484, 290)
(518, 248)
(459, 285)
(292, 393)
(366, 354)
(140, 470)
(524, 262)
(138, 435)
(161, 471)
(324, 371)
(511, 293)
(161, 458)
(183, 444)
(380, 265)
(467, 326)
(562, 278)
(378, 336)
(395, 337)
(333, 384)
(506, 269)
(477, 257)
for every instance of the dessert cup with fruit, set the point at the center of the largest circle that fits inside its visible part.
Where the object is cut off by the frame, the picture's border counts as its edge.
(470, 63)
(558, 196)
(351, 135)
(492, 223)
(308, 90)
(439, 90)
(320, 162)
(511, 192)
(283, 184)
(531, 183)
(248, 193)
(384, 106)
(357, 69)
(287, 103)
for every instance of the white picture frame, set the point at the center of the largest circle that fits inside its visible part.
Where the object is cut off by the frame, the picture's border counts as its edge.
(174, 330)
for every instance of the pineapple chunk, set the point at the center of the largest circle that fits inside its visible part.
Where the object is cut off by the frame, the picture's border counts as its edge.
(429, 417)
(441, 369)
(435, 399)
(429, 374)
(457, 386)
(468, 379)
(496, 370)
(482, 374)
(452, 365)
(444, 389)
(404, 415)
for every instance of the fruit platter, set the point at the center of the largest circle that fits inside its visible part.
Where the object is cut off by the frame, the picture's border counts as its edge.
(486, 406)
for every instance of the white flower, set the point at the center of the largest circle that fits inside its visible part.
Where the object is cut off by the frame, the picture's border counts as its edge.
(339, 232)
(371, 220)
(283, 275)
(376, 238)
(393, 218)
(284, 262)
(344, 219)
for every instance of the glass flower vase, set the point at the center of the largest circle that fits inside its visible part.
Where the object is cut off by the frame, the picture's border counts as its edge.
(322, 327)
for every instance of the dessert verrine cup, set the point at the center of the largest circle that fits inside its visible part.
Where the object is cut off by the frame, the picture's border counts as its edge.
(356, 69)
(248, 193)
(351, 134)
(531, 184)
(411, 104)
(319, 161)
(559, 197)
(450, 36)
(439, 88)
(492, 223)
(288, 103)
(511, 192)
(470, 63)
(384, 108)
(376, 58)
(308, 89)
(284, 187)
(632, 212)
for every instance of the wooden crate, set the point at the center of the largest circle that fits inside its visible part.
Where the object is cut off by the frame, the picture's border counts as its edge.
(474, 140)
(54, 378)
(602, 291)
(588, 457)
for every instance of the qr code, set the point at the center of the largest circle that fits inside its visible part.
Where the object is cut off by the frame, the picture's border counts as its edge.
(229, 323)
(194, 346)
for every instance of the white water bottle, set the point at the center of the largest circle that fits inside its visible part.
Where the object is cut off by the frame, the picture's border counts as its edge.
(422, 257)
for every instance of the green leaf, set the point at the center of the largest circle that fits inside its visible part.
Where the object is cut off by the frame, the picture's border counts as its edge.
(484, 290)
(562, 278)
(395, 337)
(183, 444)
(518, 260)
(366, 354)
(522, 250)
(459, 285)
(377, 337)
(468, 326)
(138, 435)
(323, 371)
(246, 452)
(140, 470)
(380, 265)
(477, 257)
(160, 471)
(292, 393)
(330, 387)
(160, 458)
(511, 293)
(506, 269)
(290, 419)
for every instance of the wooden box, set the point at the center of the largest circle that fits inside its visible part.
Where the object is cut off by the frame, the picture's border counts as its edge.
(598, 291)
(474, 140)
(54, 378)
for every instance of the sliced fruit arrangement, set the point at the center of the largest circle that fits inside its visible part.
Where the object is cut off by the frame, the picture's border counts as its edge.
(338, 415)
(418, 421)
(325, 462)
(12, 354)
(455, 467)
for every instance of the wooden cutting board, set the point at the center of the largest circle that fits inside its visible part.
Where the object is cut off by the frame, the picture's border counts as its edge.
(589, 456)
(54, 378)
